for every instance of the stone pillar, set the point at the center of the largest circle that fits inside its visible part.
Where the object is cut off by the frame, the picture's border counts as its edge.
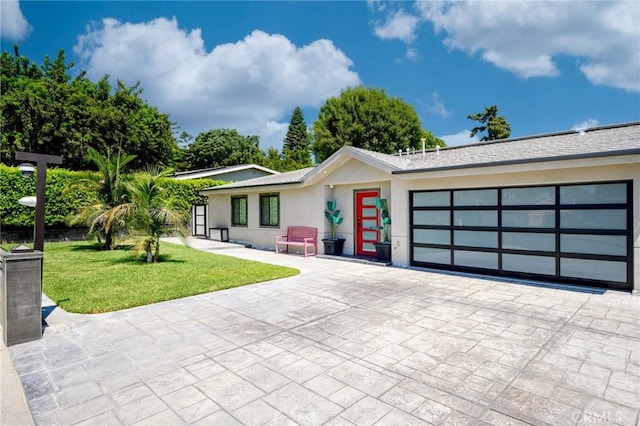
(20, 295)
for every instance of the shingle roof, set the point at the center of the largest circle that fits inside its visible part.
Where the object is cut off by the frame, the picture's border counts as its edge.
(295, 176)
(602, 141)
(391, 160)
(595, 142)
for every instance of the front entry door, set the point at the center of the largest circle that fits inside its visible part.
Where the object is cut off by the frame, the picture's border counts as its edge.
(366, 223)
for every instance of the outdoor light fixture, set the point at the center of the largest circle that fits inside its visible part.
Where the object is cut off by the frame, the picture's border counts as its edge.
(28, 201)
(26, 169)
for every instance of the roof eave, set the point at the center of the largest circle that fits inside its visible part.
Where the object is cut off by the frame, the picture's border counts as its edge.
(622, 152)
(222, 187)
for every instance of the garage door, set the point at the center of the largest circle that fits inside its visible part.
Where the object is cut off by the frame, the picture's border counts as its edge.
(576, 234)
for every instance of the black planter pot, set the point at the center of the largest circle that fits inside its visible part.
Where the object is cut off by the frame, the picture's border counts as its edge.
(383, 251)
(333, 246)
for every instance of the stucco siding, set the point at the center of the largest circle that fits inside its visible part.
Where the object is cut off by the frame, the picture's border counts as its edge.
(345, 195)
(302, 207)
(354, 172)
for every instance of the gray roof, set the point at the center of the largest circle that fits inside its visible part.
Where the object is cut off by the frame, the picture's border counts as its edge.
(620, 139)
(391, 160)
(295, 176)
(595, 142)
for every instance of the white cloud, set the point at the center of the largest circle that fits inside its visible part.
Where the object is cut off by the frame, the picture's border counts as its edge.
(13, 24)
(437, 107)
(460, 138)
(586, 124)
(527, 37)
(398, 26)
(250, 85)
(377, 5)
(411, 54)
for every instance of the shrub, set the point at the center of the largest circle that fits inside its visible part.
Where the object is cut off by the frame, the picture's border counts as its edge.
(60, 205)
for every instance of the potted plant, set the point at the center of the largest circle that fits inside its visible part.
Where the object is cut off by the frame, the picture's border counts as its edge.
(333, 245)
(383, 247)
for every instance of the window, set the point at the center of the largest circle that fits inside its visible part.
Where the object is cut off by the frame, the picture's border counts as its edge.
(239, 211)
(270, 210)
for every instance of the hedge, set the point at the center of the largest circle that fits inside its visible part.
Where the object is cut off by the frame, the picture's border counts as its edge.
(59, 205)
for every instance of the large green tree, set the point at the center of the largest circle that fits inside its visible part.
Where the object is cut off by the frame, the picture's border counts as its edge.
(495, 125)
(223, 147)
(365, 118)
(44, 109)
(296, 147)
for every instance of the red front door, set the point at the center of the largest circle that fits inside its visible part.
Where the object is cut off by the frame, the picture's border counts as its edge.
(366, 223)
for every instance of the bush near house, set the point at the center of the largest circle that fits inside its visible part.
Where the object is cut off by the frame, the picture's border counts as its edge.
(60, 204)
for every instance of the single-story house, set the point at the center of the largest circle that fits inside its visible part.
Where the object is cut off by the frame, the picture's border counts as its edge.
(228, 174)
(559, 207)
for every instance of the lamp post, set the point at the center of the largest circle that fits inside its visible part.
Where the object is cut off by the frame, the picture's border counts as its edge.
(27, 169)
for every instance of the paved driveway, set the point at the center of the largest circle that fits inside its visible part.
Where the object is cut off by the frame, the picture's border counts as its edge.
(344, 343)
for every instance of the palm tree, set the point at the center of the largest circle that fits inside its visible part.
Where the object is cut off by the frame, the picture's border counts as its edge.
(109, 185)
(148, 215)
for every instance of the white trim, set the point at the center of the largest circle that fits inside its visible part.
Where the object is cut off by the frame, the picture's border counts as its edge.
(196, 174)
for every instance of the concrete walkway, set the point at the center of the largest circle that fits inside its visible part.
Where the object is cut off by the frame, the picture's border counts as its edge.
(340, 344)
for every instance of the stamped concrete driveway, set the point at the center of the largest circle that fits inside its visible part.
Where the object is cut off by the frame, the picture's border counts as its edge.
(344, 343)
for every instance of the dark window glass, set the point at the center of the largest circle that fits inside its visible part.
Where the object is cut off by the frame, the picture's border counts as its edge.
(239, 211)
(269, 210)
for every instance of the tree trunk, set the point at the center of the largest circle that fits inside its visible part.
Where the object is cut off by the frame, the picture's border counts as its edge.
(108, 240)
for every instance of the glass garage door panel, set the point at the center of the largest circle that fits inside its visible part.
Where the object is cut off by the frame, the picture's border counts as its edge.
(432, 236)
(476, 197)
(432, 255)
(432, 199)
(475, 218)
(598, 193)
(487, 239)
(603, 270)
(529, 264)
(528, 219)
(529, 241)
(613, 245)
(475, 259)
(540, 195)
(594, 219)
(432, 217)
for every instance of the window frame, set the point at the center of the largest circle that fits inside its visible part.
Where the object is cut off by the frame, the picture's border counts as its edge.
(270, 195)
(246, 210)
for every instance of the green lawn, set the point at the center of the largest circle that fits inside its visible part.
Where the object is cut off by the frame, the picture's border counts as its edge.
(82, 279)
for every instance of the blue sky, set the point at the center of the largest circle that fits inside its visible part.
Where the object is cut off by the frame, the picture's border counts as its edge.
(549, 66)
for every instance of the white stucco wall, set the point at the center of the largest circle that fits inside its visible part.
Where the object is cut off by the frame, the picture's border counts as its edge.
(302, 206)
(298, 207)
